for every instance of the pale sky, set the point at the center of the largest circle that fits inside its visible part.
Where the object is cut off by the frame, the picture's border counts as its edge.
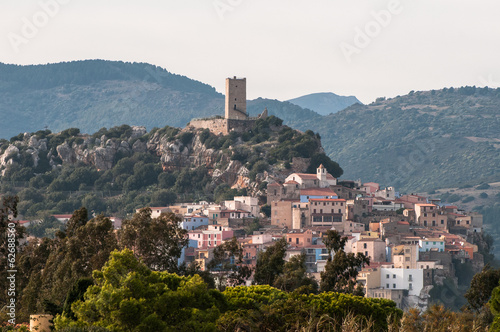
(285, 48)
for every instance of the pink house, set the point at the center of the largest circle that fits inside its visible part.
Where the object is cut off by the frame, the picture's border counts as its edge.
(211, 237)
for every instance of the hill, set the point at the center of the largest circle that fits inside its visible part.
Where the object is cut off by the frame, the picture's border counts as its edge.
(124, 168)
(325, 103)
(418, 142)
(93, 94)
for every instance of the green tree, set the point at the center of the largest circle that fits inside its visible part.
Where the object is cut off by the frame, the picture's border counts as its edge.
(158, 242)
(74, 254)
(295, 276)
(481, 287)
(227, 265)
(340, 272)
(270, 263)
(128, 296)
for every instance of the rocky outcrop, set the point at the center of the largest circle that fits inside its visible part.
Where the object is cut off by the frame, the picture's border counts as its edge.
(175, 152)
(6, 157)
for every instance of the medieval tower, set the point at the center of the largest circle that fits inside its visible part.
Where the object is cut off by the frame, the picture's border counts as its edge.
(236, 98)
(236, 117)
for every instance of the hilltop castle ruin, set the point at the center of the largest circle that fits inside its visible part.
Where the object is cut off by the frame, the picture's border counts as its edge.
(235, 117)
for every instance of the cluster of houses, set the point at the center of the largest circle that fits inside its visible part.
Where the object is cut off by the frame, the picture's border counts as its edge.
(412, 242)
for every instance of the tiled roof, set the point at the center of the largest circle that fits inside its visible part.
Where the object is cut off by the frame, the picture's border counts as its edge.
(318, 192)
(327, 200)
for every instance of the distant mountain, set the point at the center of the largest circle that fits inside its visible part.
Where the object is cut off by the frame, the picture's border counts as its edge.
(93, 94)
(420, 141)
(324, 103)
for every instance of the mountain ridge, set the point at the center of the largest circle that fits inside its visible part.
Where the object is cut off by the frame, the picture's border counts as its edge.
(324, 103)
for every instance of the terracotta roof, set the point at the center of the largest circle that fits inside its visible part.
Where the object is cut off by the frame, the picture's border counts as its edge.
(306, 176)
(321, 166)
(62, 216)
(275, 184)
(195, 216)
(426, 204)
(318, 192)
(291, 182)
(327, 200)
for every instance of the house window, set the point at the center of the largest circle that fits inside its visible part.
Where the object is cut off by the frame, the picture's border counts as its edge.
(364, 245)
(393, 276)
(289, 239)
(387, 276)
(386, 285)
(393, 285)
(366, 253)
(296, 240)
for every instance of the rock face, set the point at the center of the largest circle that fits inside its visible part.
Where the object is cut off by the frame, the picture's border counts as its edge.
(175, 152)
(6, 157)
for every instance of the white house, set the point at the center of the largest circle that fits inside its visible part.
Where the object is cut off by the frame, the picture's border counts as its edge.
(406, 279)
(244, 203)
(192, 222)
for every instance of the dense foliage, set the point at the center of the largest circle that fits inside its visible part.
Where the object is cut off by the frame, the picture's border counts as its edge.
(127, 296)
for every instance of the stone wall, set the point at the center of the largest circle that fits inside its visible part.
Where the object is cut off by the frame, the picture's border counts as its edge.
(215, 125)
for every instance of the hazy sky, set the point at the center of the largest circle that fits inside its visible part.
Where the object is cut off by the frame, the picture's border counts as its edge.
(285, 48)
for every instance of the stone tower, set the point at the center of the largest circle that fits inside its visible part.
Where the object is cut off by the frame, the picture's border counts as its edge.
(236, 98)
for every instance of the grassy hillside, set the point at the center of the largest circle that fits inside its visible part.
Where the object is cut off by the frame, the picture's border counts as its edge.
(421, 141)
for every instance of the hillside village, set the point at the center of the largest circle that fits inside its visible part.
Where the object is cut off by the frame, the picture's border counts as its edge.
(413, 243)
